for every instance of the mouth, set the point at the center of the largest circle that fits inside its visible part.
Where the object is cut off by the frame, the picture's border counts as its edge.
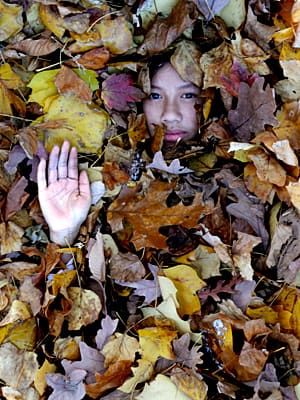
(174, 136)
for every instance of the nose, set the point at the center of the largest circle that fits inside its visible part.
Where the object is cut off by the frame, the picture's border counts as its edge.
(171, 113)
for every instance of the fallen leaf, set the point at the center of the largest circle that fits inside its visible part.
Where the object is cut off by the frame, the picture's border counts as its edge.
(69, 83)
(113, 377)
(37, 48)
(11, 237)
(159, 162)
(189, 384)
(121, 347)
(85, 309)
(147, 214)
(241, 254)
(115, 34)
(70, 387)
(40, 382)
(142, 373)
(84, 126)
(126, 267)
(118, 92)
(155, 342)
(254, 110)
(161, 388)
(187, 283)
(11, 21)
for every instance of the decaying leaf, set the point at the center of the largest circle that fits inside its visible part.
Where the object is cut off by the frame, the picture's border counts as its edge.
(85, 309)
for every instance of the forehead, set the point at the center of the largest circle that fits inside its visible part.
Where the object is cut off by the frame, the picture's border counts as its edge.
(167, 77)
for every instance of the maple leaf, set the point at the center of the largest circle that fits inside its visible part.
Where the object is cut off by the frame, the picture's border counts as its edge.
(67, 387)
(118, 92)
(254, 110)
(209, 8)
(149, 212)
(238, 74)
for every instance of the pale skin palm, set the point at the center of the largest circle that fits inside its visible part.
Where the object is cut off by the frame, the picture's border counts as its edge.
(65, 196)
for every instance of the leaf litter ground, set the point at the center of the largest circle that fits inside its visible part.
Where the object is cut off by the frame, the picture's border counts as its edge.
(183, 281)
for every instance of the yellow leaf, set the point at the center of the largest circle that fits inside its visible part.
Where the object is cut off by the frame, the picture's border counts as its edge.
(189, 384)
(162, 388)
(63, 279)
(224, 333)
(155, 342)
(168, 310)
(293, 189)
(43, 88)
(18, 311)
(10, 78)
(142, 373)
(120, 348)
(115, 35)
(52, 20)
(11, 21)
(67, 348)
(84, 125)
(266, 312)
(85, 309)
(40, 382)
(234, 13)
(295, 319)
(21, 334)
(187, 282)
(5, 106)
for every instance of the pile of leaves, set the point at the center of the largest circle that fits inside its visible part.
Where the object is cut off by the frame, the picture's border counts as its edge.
(183, 281)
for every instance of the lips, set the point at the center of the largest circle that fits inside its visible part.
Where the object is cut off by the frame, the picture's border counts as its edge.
(173, 136)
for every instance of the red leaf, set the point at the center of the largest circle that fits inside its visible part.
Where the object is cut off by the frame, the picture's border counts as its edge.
(118, 92)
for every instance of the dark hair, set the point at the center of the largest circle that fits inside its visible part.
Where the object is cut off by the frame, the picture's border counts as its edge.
(158, 61)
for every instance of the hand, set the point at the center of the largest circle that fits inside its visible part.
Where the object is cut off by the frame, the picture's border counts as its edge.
(66, 198)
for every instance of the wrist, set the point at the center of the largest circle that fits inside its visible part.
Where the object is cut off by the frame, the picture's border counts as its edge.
(64, 237)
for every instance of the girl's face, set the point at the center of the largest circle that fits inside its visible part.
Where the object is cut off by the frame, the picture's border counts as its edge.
(171, 104)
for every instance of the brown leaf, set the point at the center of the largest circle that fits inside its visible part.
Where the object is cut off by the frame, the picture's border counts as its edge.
(148, 212)
(113, 175)
(254, 110)
(16, 197)
(114, 376)
(267, 167)
(11, 237)
(126, 267)
(68, 82)
(165, 30)
(93, 59)
(36, 48)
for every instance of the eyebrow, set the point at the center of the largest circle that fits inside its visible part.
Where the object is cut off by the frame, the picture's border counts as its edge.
(184, 86)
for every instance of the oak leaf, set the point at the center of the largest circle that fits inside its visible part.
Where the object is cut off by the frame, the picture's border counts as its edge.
(149, 212)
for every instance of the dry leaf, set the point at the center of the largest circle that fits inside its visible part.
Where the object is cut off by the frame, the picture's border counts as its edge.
(85, 309)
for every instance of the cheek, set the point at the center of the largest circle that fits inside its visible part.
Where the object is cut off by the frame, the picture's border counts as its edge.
(150, 111)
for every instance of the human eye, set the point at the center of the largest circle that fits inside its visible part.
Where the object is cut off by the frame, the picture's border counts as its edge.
(154, 96)
(189, 95)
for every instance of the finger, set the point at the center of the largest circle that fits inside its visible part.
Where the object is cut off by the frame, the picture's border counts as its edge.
(73, 164)
(41, 175)
(63, 160)
(84, 185)
(52, 165)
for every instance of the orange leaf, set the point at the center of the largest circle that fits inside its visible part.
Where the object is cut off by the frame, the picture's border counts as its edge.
(68, 82)
(148, 212)
(113, 377)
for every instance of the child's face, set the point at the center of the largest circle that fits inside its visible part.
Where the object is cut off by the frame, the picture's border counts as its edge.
(171, 104)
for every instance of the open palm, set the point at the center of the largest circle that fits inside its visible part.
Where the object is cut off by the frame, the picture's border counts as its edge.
(64, 195)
